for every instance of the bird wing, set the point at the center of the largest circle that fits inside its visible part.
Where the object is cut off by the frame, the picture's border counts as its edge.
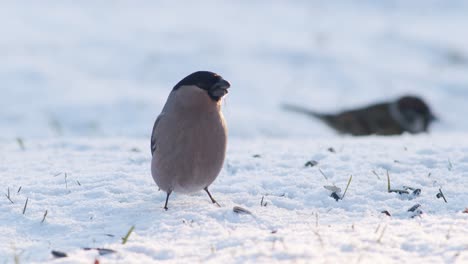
(153, 135)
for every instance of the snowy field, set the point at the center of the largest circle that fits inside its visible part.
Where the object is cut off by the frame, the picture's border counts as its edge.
(108, 189)
(83, 81)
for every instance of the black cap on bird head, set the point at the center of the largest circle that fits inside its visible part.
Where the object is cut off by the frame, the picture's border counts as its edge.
(212, 83)
(414, 109)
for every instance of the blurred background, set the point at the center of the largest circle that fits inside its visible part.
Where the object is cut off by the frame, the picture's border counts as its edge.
(105, 68)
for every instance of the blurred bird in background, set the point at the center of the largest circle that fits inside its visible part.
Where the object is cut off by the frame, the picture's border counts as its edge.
(406, 114)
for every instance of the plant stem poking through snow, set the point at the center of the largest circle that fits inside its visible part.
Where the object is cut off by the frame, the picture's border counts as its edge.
(388, 181)
(125, 238)
(44, 217)
(66, 183)
(349, 182)
(25, 206)
(450, 165)
(447, 236)
(441, 194)
(20, 143)
(319, 238)
(336, 191)
(325, 176)
(8, 195)
(19, 190)
(316, 220)
(375, 173)
(16, 257)
(379, 240)
(377, 229)
(416, 192)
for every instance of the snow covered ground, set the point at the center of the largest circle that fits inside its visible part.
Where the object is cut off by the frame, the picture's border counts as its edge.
(108, 188)
(83, 81)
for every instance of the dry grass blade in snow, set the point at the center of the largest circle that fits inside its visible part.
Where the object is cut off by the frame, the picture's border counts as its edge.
(8, 195)
(25, 205)
(125, 238)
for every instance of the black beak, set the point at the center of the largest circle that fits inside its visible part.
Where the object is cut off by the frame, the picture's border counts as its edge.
(219, 89)
(222, 84)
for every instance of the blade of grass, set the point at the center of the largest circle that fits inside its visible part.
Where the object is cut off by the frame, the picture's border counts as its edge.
(20, 143)
(8, 195)
(388, 181)
(323, 174)
(349, 182)
(375, 173)
(125, 238)
(43, 218)
(25, 205)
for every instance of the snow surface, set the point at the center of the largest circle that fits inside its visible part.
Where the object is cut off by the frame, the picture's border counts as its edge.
(83, 81)
(109, 188)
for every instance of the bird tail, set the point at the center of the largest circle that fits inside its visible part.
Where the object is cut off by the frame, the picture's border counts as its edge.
(303, 110)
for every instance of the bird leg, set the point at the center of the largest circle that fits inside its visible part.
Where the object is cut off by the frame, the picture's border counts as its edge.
(167, 200)
(211, 197)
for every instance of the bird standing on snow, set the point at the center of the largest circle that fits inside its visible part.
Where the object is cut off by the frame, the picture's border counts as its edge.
(407, 114)
(189, 137)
